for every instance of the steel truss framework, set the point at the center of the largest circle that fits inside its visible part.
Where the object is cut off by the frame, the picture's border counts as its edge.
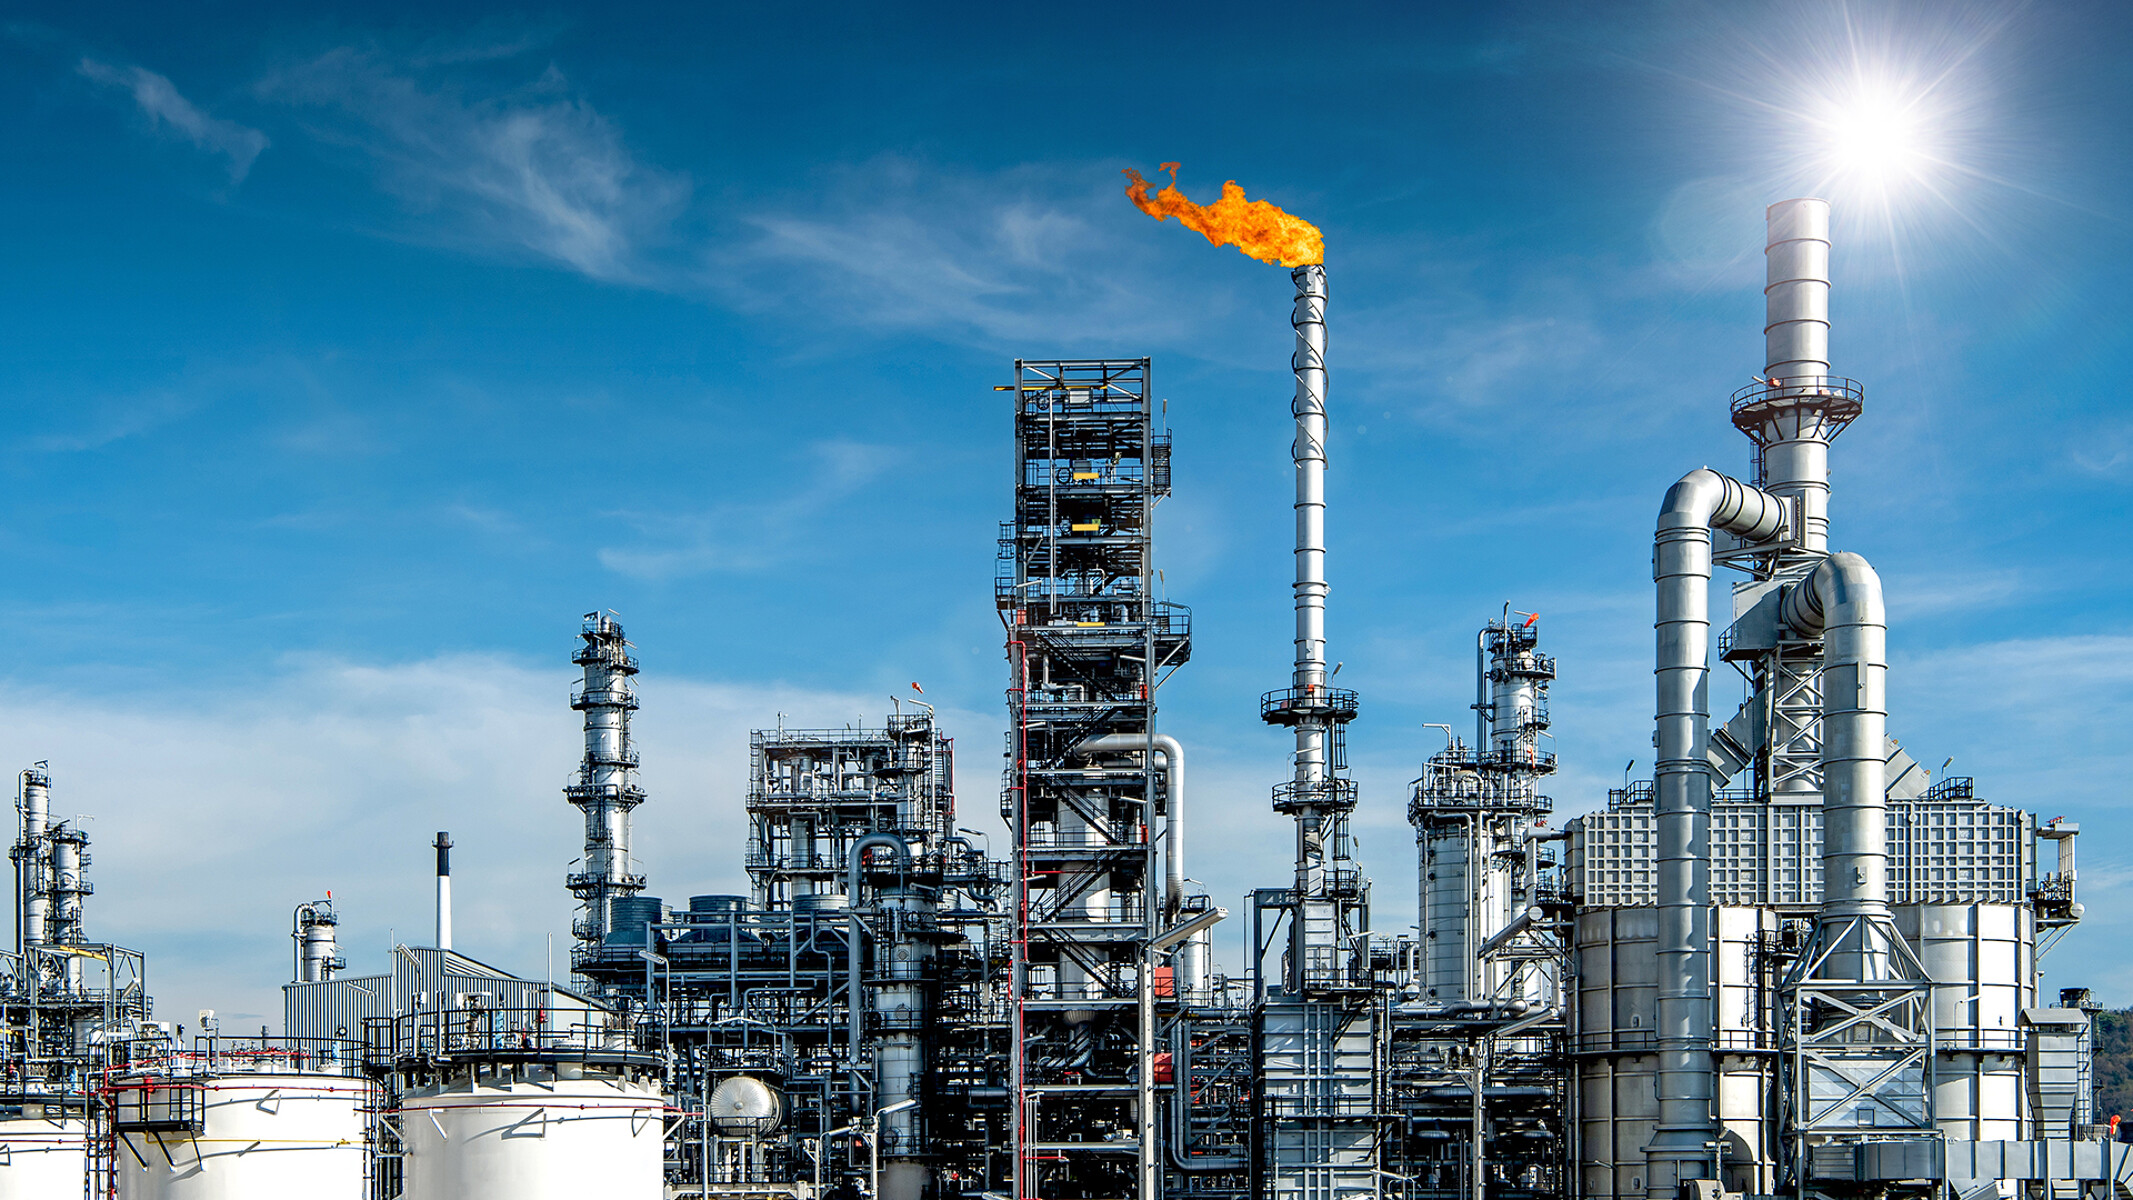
(1088, 642)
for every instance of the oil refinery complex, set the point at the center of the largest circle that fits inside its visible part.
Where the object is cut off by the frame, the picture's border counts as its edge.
(1793, 963)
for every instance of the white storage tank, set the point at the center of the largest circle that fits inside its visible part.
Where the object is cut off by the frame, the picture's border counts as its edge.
(1617, 1046)
(42, 1158)
(1983, 955)
(527, 1133)
(241, 1122)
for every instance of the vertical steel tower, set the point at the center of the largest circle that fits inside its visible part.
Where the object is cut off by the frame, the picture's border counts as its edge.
(1317, 1030)
(1474, 812)
(606, 785)
(1087, 643)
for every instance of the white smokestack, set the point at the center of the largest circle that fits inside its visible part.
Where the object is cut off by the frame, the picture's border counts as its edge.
(444, 889)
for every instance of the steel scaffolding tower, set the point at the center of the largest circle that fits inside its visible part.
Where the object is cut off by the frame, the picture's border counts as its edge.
(1088, 642)
(65, 1002)
(812, 793)
(606, 785)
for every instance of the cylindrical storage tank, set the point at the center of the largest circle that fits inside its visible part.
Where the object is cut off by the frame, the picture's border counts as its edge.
(819, 902)
(820, 930)
(240, 1136)
(1617, 1009)
(719, 918)
(584, 1133)
(41, 1159)
(1985, 955)
(631, 913)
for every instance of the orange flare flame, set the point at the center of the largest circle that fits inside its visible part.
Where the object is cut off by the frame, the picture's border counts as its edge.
(1254, 227)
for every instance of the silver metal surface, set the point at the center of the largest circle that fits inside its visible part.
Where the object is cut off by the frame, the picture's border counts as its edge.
(1309, 453)
(1841, 603)
(1796, 355)
(316, 934)
(1681, 568)
(1982, 957)
(1194, 956)
(1477, 813)
(33, 858)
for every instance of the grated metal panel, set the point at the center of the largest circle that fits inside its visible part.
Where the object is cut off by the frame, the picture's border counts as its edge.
(1941, 851)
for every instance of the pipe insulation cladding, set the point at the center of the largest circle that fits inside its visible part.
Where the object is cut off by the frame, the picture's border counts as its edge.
(1796, 356)
(1681, 568)
(1841, 602)
(1796, 294)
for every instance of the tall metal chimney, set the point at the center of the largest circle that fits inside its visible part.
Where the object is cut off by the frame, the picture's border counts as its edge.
(1316, 794)
(443, 845)
(1795, 437)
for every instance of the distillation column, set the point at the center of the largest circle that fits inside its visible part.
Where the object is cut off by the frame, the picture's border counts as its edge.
(33, 859)
(317, 938)
(606, 785)
(1475, 811)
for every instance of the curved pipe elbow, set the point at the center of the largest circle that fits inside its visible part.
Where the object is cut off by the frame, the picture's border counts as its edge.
(1706, 499)
(1173, 755)
(858, 857)
(1844, 590)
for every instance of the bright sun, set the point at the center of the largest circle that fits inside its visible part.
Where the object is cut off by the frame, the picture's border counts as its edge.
(1877, 137)
(1875, 134)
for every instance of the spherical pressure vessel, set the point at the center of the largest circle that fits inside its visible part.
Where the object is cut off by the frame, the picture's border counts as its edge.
(247, 1136)
(42, 1158)
(471, 1139)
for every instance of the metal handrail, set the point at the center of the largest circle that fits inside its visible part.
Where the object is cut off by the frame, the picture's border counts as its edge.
(1846, 398)
(1287, 705)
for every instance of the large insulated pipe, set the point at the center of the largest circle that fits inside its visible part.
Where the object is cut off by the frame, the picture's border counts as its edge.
(1681, 568)
(1796, 356)
(1842, 603)
(856, 859)
(1192, 957)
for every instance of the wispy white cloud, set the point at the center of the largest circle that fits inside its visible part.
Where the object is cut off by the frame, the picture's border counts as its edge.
(2105, 450)
(537, 169)
(99, 424)
(169, 110)
(1942, 592)
(1021, 255)
(215, 809)
(747, 536)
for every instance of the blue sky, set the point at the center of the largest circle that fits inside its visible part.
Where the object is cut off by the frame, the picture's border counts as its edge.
(349, 355)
